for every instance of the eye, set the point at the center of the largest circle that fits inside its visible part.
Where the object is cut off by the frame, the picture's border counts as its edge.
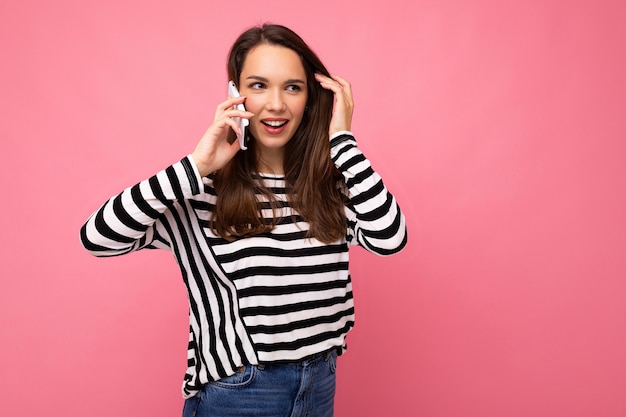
(294, 88)
(257, 86)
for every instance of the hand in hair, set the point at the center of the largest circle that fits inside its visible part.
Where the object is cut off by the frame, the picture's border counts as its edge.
(214, 151)
(344, 103)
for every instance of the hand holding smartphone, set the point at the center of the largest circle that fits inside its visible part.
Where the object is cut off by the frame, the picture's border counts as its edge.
(241, 122)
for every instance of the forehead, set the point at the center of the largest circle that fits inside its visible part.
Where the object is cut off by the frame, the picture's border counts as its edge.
(273, 61)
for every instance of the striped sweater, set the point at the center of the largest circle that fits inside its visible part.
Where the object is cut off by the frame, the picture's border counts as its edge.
(276, 296)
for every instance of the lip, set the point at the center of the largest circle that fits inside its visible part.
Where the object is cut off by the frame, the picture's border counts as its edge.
(272, 130)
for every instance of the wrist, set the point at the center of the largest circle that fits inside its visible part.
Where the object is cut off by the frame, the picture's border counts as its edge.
(339, 133)
(202, 168)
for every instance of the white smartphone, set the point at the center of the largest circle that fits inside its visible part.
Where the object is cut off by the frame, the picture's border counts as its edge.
(241, 122)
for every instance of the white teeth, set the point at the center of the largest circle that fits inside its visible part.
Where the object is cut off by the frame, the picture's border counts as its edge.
(274, 123)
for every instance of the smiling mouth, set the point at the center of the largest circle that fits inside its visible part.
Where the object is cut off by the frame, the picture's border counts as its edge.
(274, 123)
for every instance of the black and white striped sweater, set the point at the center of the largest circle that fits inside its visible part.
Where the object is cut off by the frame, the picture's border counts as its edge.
(277, 296)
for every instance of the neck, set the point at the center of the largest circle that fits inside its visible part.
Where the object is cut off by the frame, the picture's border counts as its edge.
(271, 161)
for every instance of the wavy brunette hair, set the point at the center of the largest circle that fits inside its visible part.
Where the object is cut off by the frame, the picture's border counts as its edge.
(311, 178)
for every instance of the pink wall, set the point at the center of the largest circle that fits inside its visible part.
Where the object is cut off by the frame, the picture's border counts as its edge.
(499, 125)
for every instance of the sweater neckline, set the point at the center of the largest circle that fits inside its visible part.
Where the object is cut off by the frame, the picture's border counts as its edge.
(267, 175)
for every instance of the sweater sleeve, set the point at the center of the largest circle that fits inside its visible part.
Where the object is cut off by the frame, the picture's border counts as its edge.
(128, 221)
(375, 220)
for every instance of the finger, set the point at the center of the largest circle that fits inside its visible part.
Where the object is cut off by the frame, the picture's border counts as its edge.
(231, 102)
(345, 85)
(342, 81)
(234, 125)
(339, 86)
(228, 117)
(228, 109)
(237, 113)
(328, 83)
(219, 127)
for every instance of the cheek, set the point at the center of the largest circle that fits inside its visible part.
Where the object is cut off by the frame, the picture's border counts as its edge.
(298, 107)
(252, 105)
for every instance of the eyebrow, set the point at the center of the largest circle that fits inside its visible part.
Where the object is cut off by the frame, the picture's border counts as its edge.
(265, 80)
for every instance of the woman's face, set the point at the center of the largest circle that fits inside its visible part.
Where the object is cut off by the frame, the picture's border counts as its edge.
(275, 85)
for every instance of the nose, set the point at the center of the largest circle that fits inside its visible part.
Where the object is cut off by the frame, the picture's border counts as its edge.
(275, 101)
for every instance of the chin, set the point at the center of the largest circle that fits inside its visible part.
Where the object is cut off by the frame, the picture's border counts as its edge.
(271, 144)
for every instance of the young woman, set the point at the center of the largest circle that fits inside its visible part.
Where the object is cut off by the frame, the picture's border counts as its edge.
(261, 235)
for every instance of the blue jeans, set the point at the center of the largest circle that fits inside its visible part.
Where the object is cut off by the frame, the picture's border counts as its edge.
(305, 388)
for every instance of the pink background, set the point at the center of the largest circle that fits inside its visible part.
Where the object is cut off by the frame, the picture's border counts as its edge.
(499, 126)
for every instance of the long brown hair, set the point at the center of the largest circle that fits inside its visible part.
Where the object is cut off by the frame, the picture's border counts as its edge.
(310, 175)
